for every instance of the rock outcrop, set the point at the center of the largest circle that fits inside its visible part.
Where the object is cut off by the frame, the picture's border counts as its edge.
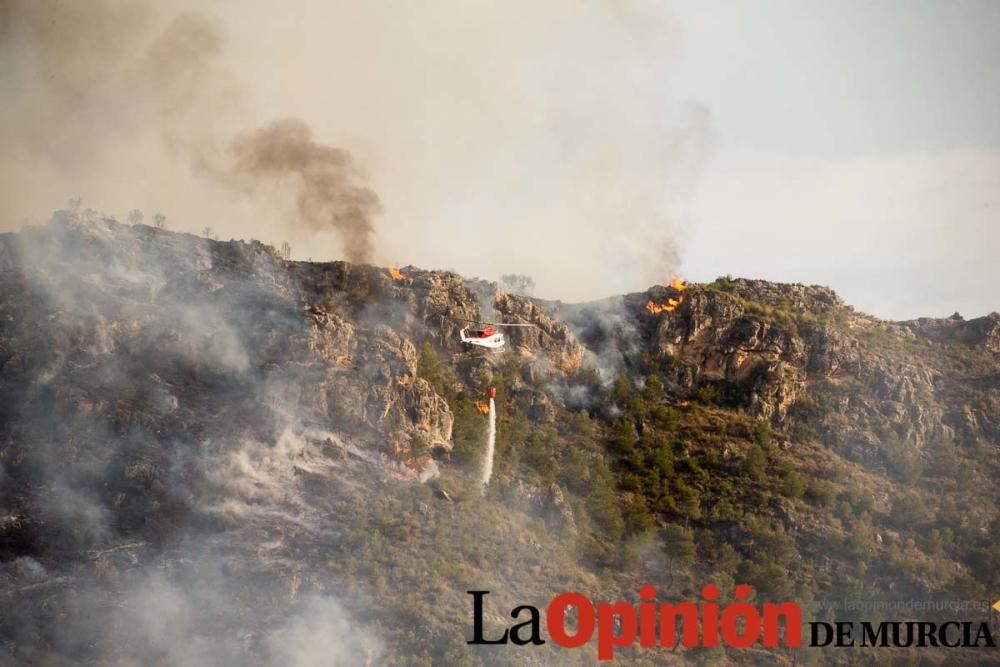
(773, 347)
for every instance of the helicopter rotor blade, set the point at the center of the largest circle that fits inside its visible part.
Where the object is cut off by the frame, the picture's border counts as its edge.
(494, 324)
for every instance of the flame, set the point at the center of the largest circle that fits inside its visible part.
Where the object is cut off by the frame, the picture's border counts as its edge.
(483, 407)
(414, 464)
(670, 304)
(396, 273)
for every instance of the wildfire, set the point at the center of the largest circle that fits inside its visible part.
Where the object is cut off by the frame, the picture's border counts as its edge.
(671, 303)
(483, 407)
(396, 273)
(414, 464)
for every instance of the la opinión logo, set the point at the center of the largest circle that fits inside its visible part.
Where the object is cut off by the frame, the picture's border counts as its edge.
(572, 620)
(738, 624)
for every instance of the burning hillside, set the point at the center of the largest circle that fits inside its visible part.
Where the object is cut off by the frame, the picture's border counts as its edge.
(677, 286)
(213, 455)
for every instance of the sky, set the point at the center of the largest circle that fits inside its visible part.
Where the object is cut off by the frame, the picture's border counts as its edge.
(597, 146)
(860, 149)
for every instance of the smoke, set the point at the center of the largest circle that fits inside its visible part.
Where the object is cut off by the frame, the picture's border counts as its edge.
(180, 614)
(328, 197)
(170, 530)
(116, 102)
(100, 90)
(466, 117)
(430, 471)
(609, 332)
(323, 634)
(491, 439)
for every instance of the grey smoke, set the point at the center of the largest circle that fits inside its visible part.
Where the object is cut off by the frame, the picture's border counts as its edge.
(189, 616)
(140, 325)
(578, 152)
(329, 194)
(90, 86)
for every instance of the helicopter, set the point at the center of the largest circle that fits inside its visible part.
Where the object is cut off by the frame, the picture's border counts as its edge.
(488, 336)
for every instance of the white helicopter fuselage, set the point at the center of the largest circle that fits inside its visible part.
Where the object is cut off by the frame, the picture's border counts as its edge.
(493, 342)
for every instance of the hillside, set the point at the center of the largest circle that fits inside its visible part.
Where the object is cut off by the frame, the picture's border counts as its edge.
(209, 452)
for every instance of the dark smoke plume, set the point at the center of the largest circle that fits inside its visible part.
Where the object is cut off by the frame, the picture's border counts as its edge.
(329, 196)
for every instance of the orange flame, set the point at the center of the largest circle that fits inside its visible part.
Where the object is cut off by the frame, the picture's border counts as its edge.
(396, 273)
(483, 407)
(415, 464)
(670, 304)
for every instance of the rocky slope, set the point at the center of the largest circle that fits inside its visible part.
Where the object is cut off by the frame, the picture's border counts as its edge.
(187, 419)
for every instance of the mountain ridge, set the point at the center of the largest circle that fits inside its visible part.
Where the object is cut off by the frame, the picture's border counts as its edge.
(285, 421)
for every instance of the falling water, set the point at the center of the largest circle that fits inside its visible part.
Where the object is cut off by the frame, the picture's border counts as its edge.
(490, 443)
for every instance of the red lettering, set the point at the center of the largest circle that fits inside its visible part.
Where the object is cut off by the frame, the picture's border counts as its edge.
(793, 623)
(555, 620)
(607, 640)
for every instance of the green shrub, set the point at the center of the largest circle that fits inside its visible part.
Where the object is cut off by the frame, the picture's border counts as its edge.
(793, 486)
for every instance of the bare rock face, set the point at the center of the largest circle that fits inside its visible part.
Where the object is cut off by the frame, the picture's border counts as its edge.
(397, 399)
(330, 336)
(558, 510)
(980, 333)
(775, 389)
(719, 336)
(376, 385)
(985, 332)
(548, 337)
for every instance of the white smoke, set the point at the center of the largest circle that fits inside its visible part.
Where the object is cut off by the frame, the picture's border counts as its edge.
(193, 617)
(491, 439)
(429, 472)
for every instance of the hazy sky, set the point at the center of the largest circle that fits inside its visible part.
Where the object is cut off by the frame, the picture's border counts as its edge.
(860, 148)
(597, 146)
